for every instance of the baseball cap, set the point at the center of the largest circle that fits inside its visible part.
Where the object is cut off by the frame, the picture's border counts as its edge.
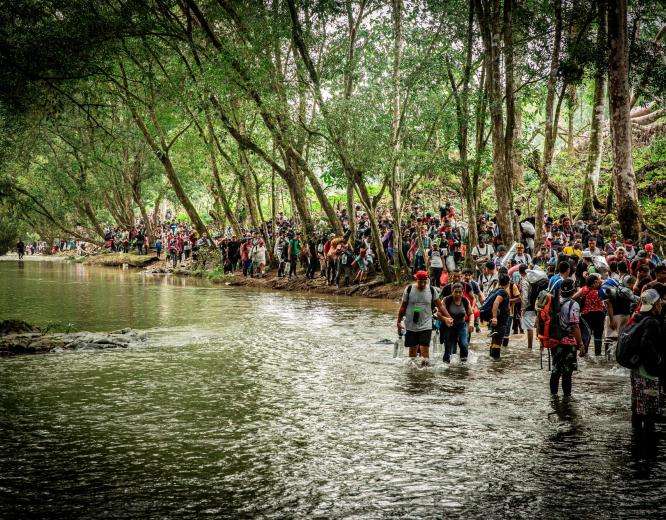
(421, 275)
(649, 247)
(648, 299)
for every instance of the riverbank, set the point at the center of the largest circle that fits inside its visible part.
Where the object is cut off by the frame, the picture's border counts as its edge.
(374, 288)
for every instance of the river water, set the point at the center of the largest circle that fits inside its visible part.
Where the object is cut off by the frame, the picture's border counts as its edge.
(246, 403)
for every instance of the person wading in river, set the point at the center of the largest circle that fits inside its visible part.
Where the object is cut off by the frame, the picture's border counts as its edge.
(564, 354)
(500, 321)
(418, 302)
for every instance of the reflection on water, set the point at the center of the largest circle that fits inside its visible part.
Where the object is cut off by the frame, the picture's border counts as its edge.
(249, 403)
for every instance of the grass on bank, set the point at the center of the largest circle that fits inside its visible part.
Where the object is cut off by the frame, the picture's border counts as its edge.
(118, 259)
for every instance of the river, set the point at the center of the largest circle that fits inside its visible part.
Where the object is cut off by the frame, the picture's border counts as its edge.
(247, 403)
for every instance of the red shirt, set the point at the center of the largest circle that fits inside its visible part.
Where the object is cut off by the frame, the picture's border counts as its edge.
(591, 300)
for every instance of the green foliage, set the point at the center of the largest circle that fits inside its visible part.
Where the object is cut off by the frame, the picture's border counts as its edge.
(97, 95)
(9, 235)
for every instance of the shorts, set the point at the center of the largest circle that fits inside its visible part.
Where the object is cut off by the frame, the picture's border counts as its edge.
(528, 320)
(417, 338)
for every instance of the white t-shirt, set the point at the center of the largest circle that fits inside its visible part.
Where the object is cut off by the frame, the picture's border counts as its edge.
(419, 302)
(436, 259)
(487, 251)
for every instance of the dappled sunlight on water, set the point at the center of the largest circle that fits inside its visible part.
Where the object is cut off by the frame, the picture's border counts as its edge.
(246, 403)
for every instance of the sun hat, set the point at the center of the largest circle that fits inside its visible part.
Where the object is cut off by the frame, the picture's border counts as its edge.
(648, 299)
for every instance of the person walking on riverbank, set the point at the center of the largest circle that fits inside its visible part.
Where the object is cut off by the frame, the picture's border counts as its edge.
(417, 305)
(294, 253)
(20, 249)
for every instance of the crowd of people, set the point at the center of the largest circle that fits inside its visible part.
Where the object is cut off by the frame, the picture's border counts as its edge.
(602, 288)
(580, 292)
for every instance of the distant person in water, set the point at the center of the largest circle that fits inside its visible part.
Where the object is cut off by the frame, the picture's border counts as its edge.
(20, 249)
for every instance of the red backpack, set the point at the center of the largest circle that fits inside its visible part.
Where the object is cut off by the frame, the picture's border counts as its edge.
(548, 325)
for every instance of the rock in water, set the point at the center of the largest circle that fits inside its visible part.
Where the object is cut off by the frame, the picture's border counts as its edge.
(37, 343)
(15, 327)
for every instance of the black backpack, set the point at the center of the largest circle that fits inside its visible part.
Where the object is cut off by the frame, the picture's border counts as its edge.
(486, 310)
(535, 289)
(628, 350)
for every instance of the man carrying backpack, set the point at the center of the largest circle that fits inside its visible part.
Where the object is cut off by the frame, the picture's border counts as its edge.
(641, 348)
(570, 340)
(418, 303)
(618, 300)
(498, 301)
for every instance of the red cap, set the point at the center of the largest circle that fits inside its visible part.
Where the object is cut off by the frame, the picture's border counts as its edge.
(649, 247)
(421, 275)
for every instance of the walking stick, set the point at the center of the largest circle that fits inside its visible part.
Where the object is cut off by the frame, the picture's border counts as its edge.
(541, 357)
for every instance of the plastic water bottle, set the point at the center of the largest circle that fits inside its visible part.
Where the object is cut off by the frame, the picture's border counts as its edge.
(399, 345)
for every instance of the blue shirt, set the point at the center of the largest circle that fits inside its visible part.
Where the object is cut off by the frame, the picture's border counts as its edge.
(555, 282)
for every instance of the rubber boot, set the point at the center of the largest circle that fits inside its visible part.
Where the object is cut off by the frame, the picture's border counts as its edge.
(495, 352)
(554, 383)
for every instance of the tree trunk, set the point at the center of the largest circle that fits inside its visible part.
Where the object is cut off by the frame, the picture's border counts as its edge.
(396, 141)
(593, 165)
(351, 208)
(551, 125)
(221, 193)
(628, 212)
(510, 100)
(572, 99)
(488, 15)
(366, 200)
(182, 196)
(90, 213)
(248, 185)
(296, 184)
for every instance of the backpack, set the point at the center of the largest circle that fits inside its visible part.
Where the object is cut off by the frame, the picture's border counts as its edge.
(627, 351)
(433, 296)
(565, 324)
(535, 291)
(549, 324)
(486, 310)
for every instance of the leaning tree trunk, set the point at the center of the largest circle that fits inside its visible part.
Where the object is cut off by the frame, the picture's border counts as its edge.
(628, 212)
